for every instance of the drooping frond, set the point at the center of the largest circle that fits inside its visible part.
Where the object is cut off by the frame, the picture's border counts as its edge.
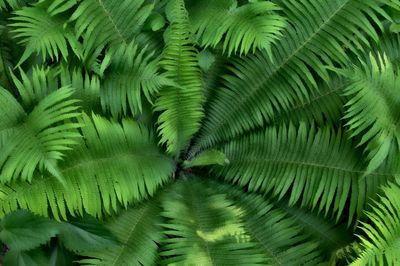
(372, 108)
(318, 168)
(113, 164)
(280, 238)
(318, 33)
(38, 139)
(6, 56)
(240, 28)
(139, 232)
(42, 33)
(131, 74)
(204, 227)
(32, 258)
(180, 105)
(108, 22)
(381, 236)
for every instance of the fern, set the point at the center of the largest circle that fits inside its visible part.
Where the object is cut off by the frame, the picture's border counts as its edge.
(309, 43)
(183, 132)
(244, 28)
(38, 139)
(180, 104)
(126, 81)
(109, 157)
(317, 168)
(372, 108)
(380, 240)
(108, 22)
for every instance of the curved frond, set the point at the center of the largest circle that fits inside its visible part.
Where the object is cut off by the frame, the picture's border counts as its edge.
(42, 33)
(180, 105)
(104, 22)
(132, 73)
(240, 28)
(113, 164)
(318, 34)
(372, 111)
(318, 168)
(139, 232)
(380, 240)
(36, 140)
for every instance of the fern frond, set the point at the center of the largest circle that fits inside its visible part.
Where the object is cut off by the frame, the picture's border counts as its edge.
(113, 164)
(240, 28)
(131, 74)
(372, 108)
(381, 237)
(317, 168)
(317, 36)
(108, 22)
(36, 140)
(204, 227)
(180, 105)
(11, 4)
(139, 232)
(325, 106)
(42, 33)
(87, 87)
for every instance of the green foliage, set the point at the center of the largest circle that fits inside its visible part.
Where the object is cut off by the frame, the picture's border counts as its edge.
(373, 107)
(242, 28)
(381, 244)
(139, 232)
(184, 132)
(113, 164)
(181, 103)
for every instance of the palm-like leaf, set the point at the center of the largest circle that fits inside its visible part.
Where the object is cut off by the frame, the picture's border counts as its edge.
(107, 168)
(258, 88)
(250, 26)
(181, 104)
(381, 238)
(372, 109)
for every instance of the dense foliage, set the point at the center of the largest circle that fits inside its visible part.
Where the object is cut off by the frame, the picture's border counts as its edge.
(188, 132)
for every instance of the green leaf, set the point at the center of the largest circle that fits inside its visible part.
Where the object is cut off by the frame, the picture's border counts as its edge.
(208, 157)
(86, 235)
(22, 231)
(32, 258)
